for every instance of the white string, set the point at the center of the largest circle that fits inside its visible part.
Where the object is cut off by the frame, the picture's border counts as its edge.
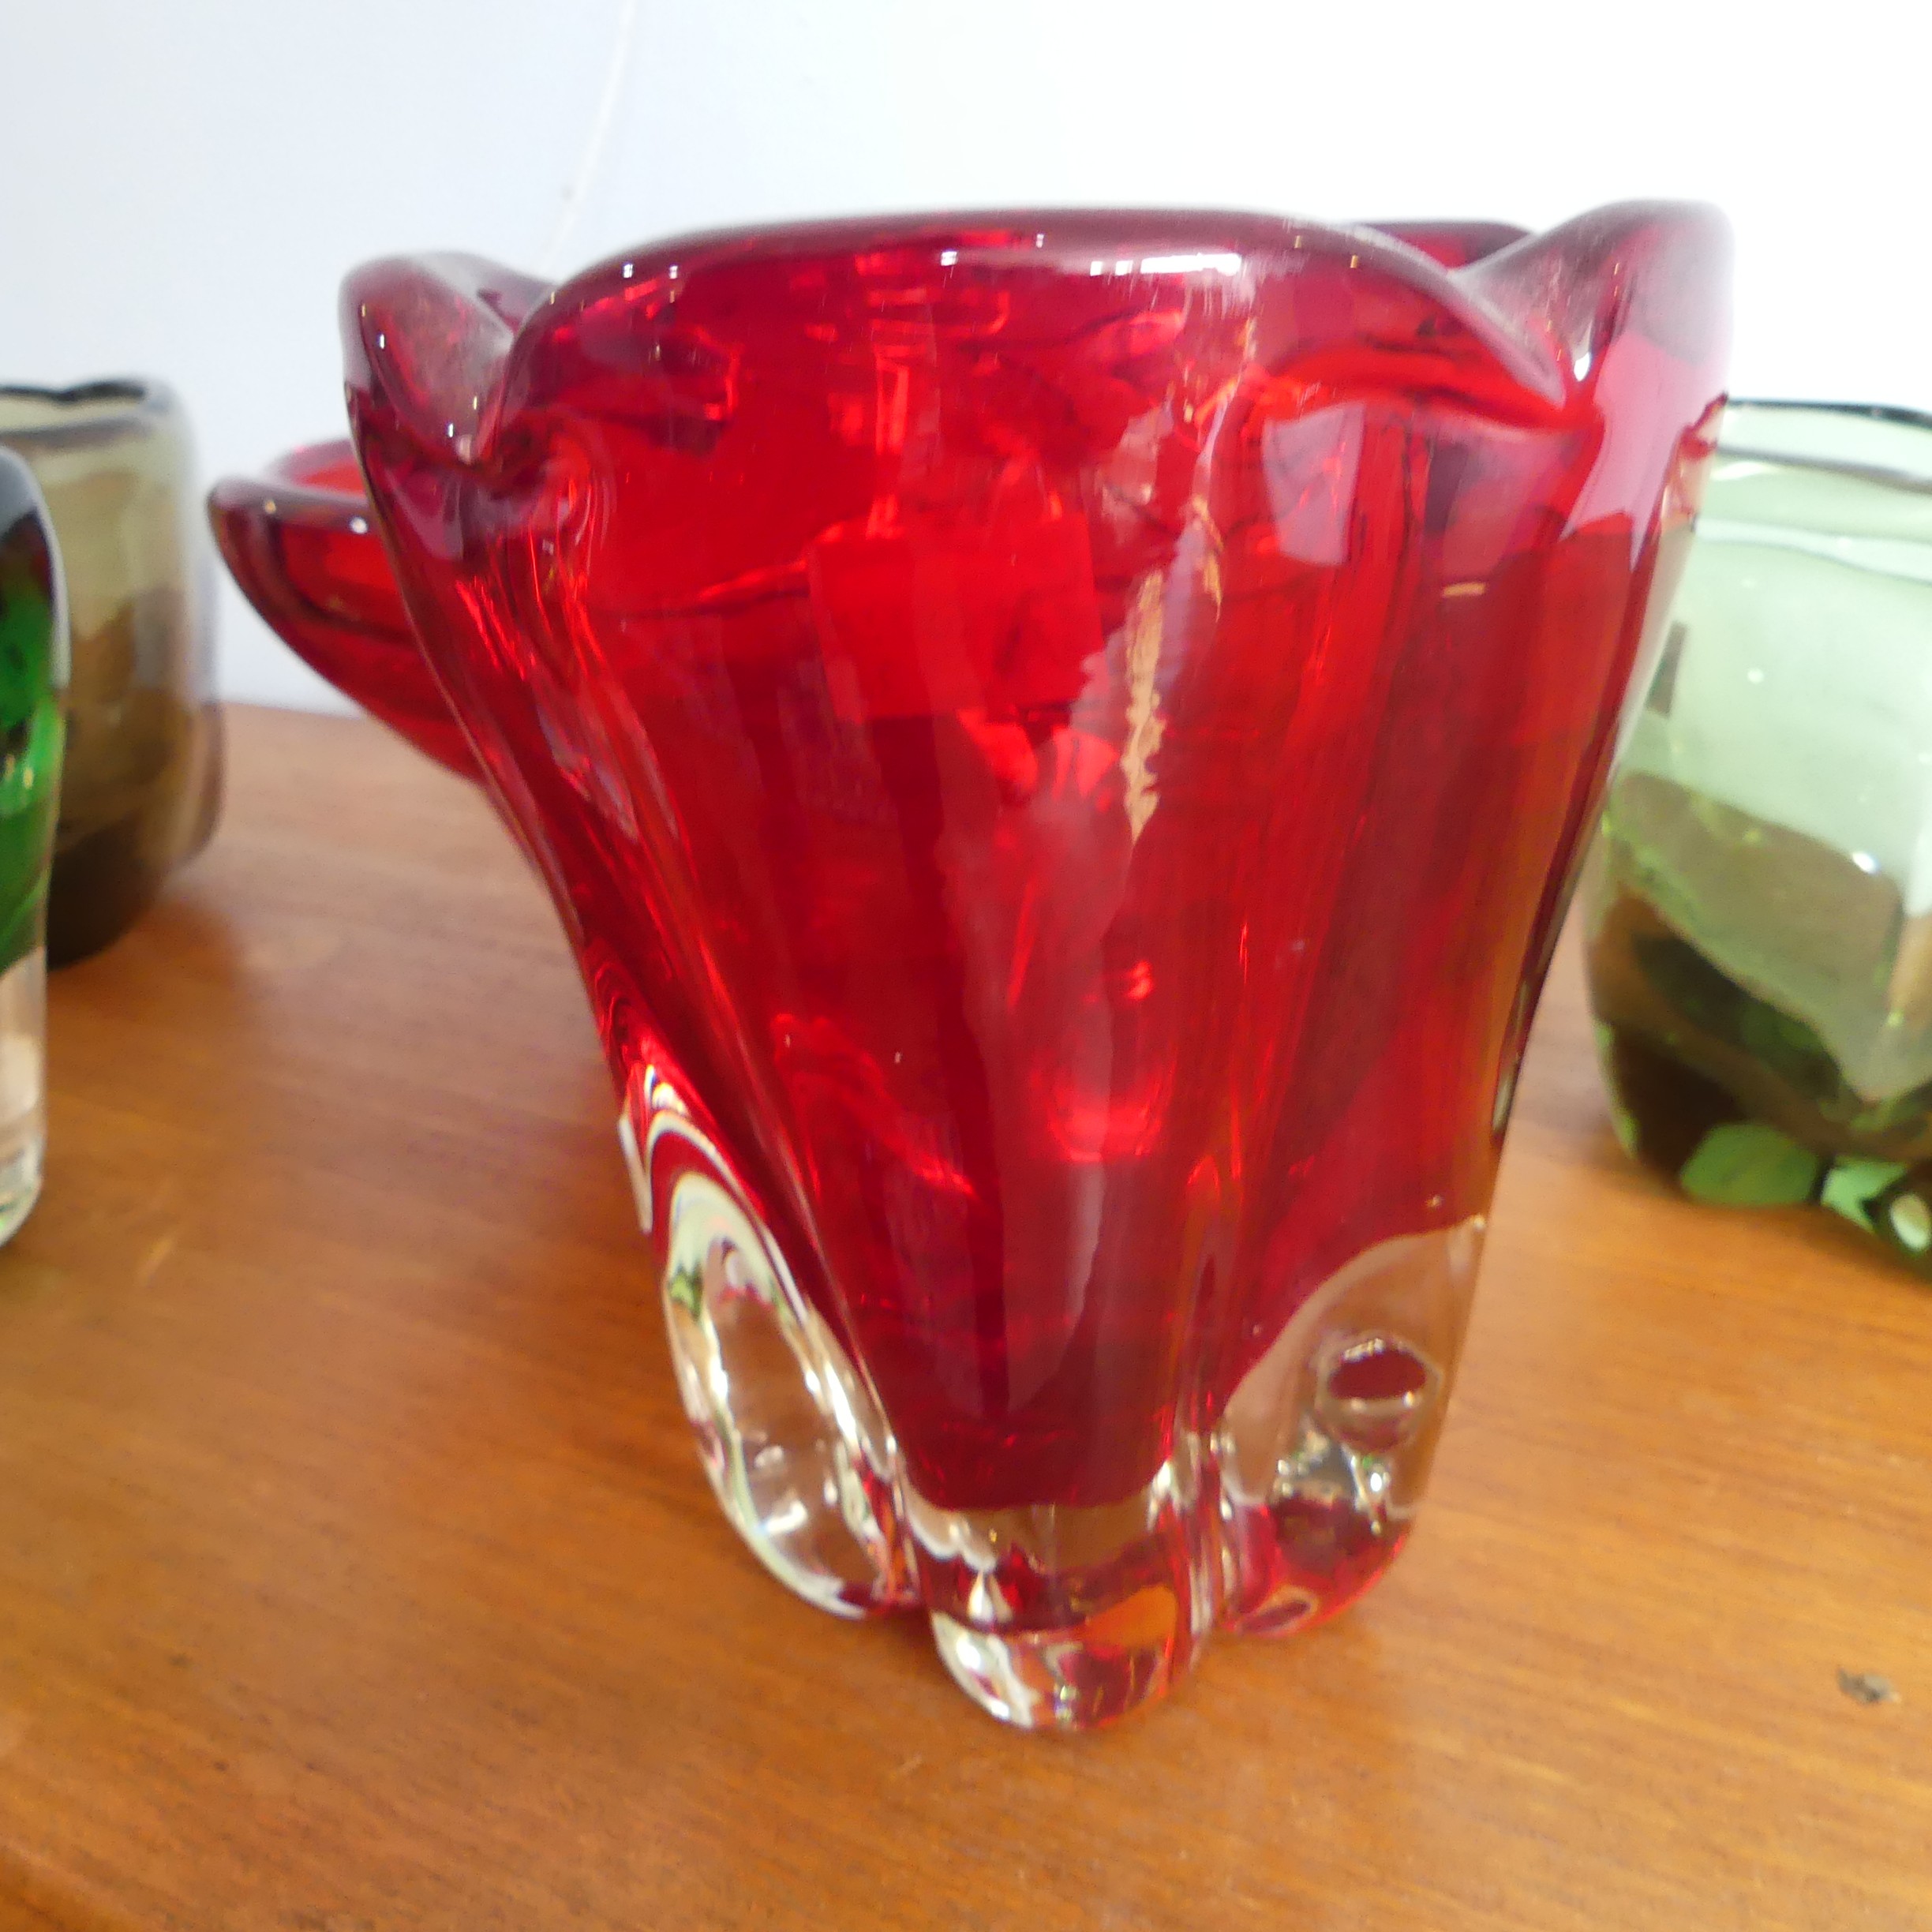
(576, 190)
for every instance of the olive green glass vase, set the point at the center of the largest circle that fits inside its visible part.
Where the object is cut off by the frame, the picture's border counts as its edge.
(1759, 904)
(143, 783)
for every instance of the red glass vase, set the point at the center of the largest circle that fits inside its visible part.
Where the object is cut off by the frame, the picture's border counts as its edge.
(1060, 741)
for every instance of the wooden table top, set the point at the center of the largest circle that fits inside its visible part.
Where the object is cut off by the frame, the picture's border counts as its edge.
(356, 1570)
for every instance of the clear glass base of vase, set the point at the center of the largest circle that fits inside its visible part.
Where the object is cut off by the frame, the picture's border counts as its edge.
(1055, 1617)
(23, 1088)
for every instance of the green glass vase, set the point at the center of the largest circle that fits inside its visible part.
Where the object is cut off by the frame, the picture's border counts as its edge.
(33, 674)
(1759, 902)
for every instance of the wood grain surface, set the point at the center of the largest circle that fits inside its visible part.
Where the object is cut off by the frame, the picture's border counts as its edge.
(356, 1570)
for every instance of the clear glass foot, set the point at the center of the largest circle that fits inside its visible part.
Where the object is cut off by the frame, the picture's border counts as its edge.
(23, 1088)
(1325, 1447)
(1051, 1616)
(790, 1435)
(1059, 1618)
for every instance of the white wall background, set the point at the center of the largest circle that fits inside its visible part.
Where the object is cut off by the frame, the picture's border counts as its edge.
(183, 184)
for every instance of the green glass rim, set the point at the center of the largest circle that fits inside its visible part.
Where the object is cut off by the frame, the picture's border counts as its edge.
(104, 409)
(1886, 446)
(1870, 412)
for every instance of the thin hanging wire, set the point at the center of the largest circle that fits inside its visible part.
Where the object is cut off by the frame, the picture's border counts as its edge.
(596, 141)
